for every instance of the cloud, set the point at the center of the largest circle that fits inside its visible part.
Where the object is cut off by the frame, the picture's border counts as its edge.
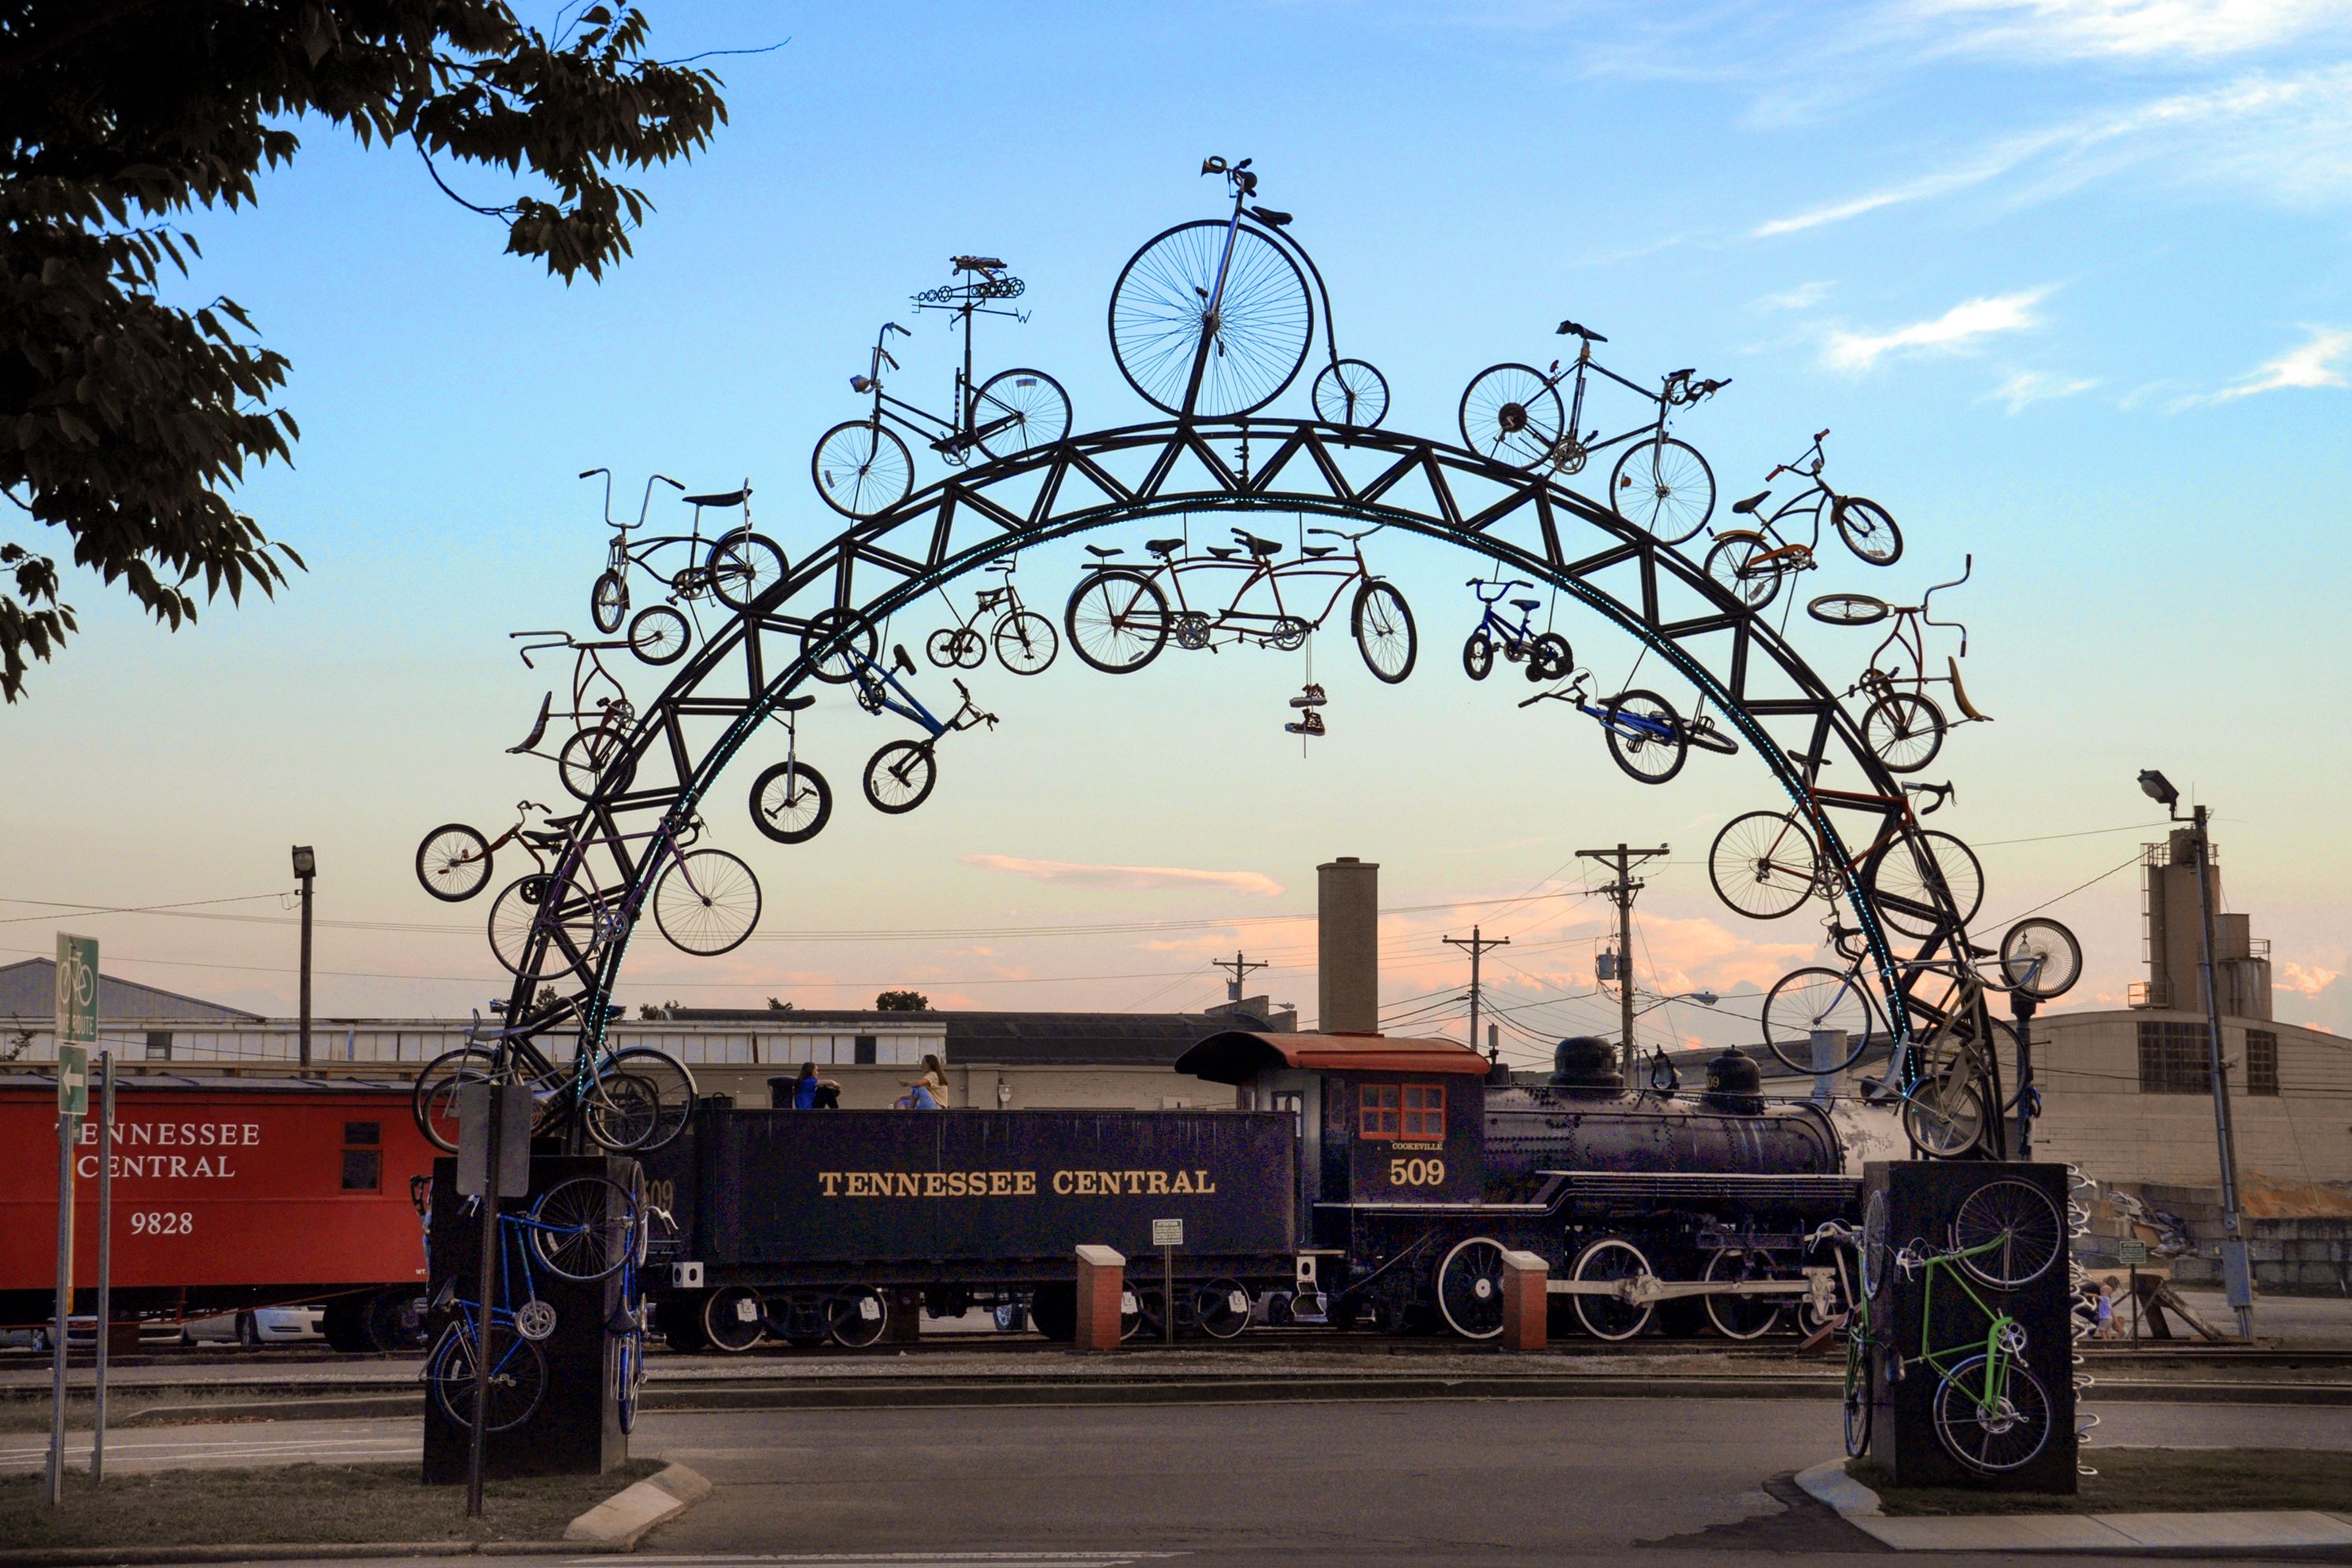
(2290, 137)
(2313, 364)
(1129, 876)
(1947, 333)
(1802, 296)
(2129, 29)
(2031, 386)
(2309, 980)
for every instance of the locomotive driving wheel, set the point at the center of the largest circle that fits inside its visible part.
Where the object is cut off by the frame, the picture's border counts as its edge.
(1744, 1317)
(1611, 1260)
(1470, 1289)
(732, 1321)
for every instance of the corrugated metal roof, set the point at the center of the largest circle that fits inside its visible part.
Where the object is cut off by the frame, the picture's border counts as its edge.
(1231, 1056)
(28, 995)
(1010, 1040)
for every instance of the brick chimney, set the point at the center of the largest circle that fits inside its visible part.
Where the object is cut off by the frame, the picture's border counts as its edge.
(1348, 939)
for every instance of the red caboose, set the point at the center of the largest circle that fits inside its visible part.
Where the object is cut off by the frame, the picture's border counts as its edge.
(228, 1193)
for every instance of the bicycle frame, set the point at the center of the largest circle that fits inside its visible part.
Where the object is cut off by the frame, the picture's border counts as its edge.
(1575, 450)
(1268, 226)
(1512, 639)
(952, 438)
(588, 676)
(888, 695)
(1256, 569)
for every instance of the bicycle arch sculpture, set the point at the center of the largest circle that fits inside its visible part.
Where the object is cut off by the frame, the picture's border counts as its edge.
(754, 664)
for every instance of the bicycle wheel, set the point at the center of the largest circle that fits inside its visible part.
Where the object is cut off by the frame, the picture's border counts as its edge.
(659, 634)
(1645, 739)
(1848, 609)
(433, 1100)
(608, 602)
(453, 862)
(639, 1101)
(707, 902)
(1478, 655)
(1992, 1419)
(851, 644)
(2017, 1222)
(1351, 394)
(1511, 414)
(1871, 1254)
(1181, 357)
(571, 921)
(1944, 1114)
(1469, 1288)
(517, 1376)
(1901, 878)
(1905, 730)
(1551, 657)
(941, 647)
(628, 1372)
(900, 776)
(1868, 530)
(1806, 1000)
(744, 565)
(1383, 623)
(1663, 486)
(1743, 1317)
(791, 803)
(2040, 958)
(1609, 1261)
(593, 759)
(583, 1228)
(1118, 621)
(1025, 643)
(1764, 864)
(1028, 408)
(1740, 564)
(861, 468)
(1861, 1395)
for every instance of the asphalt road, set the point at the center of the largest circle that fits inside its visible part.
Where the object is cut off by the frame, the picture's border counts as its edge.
(1428, 1482)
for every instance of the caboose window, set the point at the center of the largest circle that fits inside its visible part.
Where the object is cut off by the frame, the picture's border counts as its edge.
(1380, 1118)
(363, 1157)
(1424, 1111)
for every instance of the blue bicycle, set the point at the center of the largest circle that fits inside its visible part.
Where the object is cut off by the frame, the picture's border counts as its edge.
(900, 776)
(1647, 737)
(1546, 654)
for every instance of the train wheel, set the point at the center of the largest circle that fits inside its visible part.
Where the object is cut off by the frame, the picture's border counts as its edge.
(731, 1319)
(1470, 1289)
(1222, 1308)
(1053, 1310)
(1141, 1315)
(856, 1317)
(1611, 1260)
(1743, 1317)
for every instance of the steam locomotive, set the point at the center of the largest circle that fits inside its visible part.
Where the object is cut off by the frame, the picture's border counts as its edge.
(1362, 1180)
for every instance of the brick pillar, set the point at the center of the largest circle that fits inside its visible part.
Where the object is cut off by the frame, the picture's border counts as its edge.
(1102, 1284)
(1527, 1302)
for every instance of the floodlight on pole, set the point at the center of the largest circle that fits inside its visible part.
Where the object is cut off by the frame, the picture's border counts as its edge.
(2159, 788)
(306, 866)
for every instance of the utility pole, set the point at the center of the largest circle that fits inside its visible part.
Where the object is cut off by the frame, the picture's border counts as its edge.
(2234, 1265)
(306, 866)
(1240, 968)
(1620, 892)
(1475, 945)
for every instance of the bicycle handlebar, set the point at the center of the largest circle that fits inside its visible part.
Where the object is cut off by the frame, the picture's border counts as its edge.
(1350, 538)
(1968, 565)
(1943, 794)
(1500, 588)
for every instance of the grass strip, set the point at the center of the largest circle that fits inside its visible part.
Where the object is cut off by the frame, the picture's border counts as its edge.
(295, 1504)
(2149, 1481)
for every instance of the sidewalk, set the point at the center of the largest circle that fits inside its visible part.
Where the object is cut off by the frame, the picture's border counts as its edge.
(2241, 1531)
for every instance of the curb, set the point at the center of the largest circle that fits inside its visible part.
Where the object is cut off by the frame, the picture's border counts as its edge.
(1828, 1483)
(620, 1521)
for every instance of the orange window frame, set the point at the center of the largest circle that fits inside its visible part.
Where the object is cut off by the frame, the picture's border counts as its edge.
(1380, 1111)
(1423, 1112)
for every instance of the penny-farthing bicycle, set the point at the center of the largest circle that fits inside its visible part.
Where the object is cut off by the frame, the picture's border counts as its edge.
(1213, 319)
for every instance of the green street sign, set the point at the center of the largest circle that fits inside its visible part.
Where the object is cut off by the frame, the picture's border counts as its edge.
(77, 1020)
(2132, 1251)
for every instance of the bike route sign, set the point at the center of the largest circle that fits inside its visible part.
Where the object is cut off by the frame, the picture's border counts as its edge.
(77, 1020)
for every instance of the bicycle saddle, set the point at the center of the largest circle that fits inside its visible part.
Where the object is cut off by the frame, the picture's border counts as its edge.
(900, 660)
(1223, 551)
(1263, 548)
(1531, 605)
(1752, 502)
(732, 497)
(1164, 548)
(1587, 333)
(537, 727)
(1316, 551)
(539, 840)
(1102, 552)
(1270, 218)
(796, 704)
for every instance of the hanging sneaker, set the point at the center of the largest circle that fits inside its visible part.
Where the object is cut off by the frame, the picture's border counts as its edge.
(1309, 723)
(1311, 698)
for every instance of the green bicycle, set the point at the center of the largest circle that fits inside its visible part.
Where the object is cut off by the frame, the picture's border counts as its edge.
(1990, 1412)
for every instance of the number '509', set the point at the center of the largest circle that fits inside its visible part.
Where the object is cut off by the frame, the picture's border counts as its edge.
(1416, 1173)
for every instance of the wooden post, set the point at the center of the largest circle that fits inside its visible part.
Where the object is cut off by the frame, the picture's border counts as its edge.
(1102, 1282)
(1527, 1300)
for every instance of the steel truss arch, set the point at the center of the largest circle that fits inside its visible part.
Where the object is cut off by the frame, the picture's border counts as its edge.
(1524, 522)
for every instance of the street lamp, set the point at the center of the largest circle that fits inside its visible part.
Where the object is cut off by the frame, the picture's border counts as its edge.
(2237, 1281)
(306, 866)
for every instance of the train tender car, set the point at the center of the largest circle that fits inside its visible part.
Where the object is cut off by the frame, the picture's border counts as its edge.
(816, 1224)
(1420, 1164)
(228, 1193)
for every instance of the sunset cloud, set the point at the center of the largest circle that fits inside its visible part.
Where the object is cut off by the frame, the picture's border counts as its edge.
(1128, 878)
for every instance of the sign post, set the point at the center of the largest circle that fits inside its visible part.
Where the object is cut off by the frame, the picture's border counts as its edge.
(1168, 1235)
(105, 1261)
(2134, 1253)
(77, 1030)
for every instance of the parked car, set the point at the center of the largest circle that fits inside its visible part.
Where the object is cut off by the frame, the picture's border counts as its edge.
(262, 1326)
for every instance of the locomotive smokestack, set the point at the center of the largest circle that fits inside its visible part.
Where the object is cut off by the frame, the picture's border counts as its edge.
(1348, 939)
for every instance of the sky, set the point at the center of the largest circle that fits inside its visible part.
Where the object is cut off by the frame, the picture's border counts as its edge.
(2068, 280)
